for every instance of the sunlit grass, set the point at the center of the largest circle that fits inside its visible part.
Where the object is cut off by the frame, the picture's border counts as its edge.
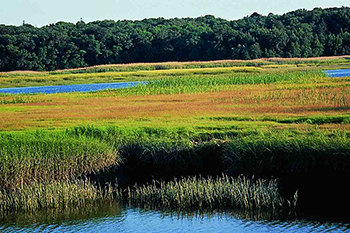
(46, 79)
(54, 195)
(39, 157)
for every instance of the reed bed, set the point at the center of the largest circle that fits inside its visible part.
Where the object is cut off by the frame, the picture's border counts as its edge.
(17, 100)
(41, 157)
(21, 99)
(55, 195)
(245, 151)
(284, 154)
(212, 83)
(17, 80)
(36, 167)
(206, 64)
(317, 120)
(198, 193)
(337, 97)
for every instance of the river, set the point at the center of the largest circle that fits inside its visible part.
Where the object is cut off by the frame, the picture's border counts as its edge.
(68, 88)
(338, 73)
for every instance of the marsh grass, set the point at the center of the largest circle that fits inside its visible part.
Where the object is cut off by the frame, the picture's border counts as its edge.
(199, 193)
(163, 66)
(55, 195)
(317, 120)
(285, 154)
(213, 83)
(16, 100)
(317, 61)
(9, 99)
(41, 157)
(47, 169)
(11, 80)
(166, 153)
(337, 97)
(38, 166)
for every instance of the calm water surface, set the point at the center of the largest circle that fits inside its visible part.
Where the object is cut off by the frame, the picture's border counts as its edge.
(117, 218)
(338, 73)
(68, 88)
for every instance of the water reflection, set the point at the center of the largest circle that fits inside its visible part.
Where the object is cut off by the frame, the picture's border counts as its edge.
(49, 220)
(114, 217)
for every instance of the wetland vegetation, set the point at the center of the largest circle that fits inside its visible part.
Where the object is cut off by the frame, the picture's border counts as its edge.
(256, 136)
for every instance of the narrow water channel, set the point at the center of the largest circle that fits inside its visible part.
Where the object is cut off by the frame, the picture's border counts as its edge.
(338, 73)
(69, 88)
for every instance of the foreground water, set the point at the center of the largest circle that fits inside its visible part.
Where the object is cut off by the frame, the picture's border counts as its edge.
(69, 88)
(113, 217)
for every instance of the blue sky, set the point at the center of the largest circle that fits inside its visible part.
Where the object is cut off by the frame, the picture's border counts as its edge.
(44, 12)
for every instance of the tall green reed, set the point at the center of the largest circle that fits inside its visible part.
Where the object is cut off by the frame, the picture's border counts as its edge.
(39, 157)
(197, 192)
(55, 195)
(210, 83)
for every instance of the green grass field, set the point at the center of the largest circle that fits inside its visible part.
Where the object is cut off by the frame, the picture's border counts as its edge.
(280, 118)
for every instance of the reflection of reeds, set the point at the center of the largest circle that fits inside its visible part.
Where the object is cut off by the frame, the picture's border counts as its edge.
(237, 213)
(223, 192)
(69, 216)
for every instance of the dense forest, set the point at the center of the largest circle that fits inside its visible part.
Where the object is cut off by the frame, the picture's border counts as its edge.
(301, 33)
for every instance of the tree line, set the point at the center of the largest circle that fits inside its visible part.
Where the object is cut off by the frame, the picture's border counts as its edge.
(300, 33)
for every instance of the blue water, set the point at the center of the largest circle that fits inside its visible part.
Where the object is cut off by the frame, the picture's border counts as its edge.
(68, 88)
(338, 73)
(126, 219)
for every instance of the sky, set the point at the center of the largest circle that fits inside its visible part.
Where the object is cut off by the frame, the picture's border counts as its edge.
(44, 12)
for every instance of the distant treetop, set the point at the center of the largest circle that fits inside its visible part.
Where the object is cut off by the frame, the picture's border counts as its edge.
(300, 33)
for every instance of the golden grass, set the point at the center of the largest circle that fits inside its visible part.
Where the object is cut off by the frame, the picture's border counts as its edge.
(181, 64)
(23, 79)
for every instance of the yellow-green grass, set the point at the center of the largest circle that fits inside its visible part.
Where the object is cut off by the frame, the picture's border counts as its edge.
(54, 195)
(47, 79)
(42, 157)
(316, 61)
